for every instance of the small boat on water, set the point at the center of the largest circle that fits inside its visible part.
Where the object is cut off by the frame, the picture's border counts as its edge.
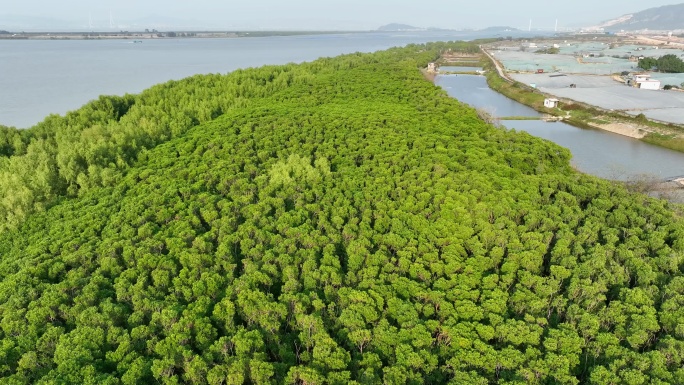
(137, 41)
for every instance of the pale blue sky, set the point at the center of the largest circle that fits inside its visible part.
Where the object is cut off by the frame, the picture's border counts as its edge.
(321, 14)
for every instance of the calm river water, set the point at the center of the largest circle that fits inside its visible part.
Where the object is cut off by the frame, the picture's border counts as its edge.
(40, 77)
(595, 152)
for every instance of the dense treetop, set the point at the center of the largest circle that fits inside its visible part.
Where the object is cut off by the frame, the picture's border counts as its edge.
(341, 221)
(666, 63)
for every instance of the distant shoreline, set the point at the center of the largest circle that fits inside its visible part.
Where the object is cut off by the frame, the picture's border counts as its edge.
(153, 34)
(156, 35)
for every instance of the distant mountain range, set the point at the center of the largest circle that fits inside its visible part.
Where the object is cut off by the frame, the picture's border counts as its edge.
(668, 17)
(396, 27)
(499, 29)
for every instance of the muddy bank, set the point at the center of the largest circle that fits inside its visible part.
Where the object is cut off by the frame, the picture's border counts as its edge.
(626, 129)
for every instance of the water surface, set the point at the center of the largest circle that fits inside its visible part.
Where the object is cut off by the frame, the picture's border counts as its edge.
(40, 77)
(595, 152)
(473, 89)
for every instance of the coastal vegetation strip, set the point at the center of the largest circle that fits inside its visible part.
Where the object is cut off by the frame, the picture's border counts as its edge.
(342, 221)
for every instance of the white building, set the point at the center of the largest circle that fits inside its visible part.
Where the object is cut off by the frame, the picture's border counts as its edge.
(651, 84)
(644, 81)
(551, 103)
(638, 78)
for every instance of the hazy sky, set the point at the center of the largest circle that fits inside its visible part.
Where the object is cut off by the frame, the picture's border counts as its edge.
(325, 14)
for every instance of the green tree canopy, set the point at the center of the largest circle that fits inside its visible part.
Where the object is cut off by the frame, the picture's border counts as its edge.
(336, 222)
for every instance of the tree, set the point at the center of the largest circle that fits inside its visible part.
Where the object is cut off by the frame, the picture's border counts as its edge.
(670, 63)
(333, 222)
(647, 63)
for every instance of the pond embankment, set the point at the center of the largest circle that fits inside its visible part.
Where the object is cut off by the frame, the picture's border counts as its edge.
(581, 114)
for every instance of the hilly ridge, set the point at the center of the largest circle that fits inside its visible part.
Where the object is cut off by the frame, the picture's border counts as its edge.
(394, 27)
(667, 17)
(353, 224)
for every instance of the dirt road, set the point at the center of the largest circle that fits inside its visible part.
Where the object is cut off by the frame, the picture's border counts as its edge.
(499, 69)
